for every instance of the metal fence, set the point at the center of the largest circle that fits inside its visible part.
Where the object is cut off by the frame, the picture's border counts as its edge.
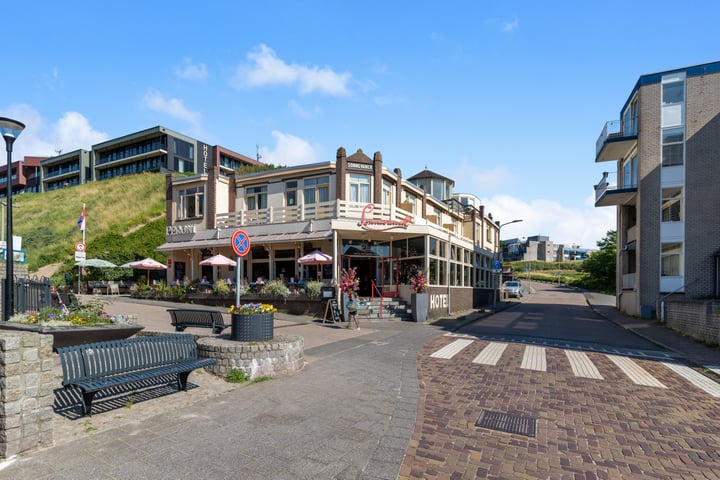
(31, 294)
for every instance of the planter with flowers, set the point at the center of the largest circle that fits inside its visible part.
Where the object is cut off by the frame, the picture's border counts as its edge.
(419, 300)
(349, 286)
(86, 324)
(252, 322)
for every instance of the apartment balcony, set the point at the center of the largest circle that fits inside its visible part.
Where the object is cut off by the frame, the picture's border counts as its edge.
(614, 142)
(607, 193)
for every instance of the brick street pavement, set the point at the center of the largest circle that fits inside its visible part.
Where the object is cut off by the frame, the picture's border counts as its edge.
(596, 414)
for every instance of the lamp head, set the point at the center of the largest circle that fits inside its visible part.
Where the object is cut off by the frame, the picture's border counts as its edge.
(10, 129)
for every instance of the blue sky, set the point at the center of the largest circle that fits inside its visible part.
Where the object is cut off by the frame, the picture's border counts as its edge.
(506, 98)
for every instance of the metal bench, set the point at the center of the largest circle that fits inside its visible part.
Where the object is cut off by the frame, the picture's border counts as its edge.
(183, 318)
(92, 367)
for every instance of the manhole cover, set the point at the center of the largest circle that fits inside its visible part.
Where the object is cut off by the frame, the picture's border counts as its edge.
(504, 422)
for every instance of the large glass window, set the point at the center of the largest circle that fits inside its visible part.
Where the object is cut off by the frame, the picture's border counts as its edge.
(359, 188)
(191, 203)
(630, 173)
(671, 257)
(672, 204)
(316, 190)
(673, 146)
(256, 197)
(387, 196)
(673, 92)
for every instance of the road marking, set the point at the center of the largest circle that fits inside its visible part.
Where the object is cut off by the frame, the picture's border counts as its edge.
(449, 351)
(696, 378)
(635, 372)
(534, 358)
(491, 354)
(581, 365)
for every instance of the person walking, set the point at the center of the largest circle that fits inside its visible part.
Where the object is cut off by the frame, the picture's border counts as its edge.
(352, 307)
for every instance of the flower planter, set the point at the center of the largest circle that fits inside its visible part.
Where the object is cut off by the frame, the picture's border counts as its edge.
(66, 336)
(419, 302)
(252, 327)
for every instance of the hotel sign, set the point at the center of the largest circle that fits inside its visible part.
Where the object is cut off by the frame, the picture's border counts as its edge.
(360, 166)
(180, 230)
(379, 224)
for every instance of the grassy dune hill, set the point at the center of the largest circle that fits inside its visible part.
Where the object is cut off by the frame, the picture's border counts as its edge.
(125, 221)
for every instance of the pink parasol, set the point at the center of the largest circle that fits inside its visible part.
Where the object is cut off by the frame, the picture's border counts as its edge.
(147, 264)
(315, 258)
(219, 260)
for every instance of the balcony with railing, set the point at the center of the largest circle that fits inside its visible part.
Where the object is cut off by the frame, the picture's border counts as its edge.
(615, 141)
(608, 193)
(372, 216)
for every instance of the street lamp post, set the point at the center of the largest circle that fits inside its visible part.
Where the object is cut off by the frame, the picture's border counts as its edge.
(499, 260)
(10, 130)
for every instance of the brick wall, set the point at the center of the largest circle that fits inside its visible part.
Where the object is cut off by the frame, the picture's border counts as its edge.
(26, 392)
(699, 319)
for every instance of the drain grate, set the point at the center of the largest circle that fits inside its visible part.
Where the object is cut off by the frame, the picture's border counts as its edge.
(504, 422)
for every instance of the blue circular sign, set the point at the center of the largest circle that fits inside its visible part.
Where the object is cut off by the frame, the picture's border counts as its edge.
(240, 243)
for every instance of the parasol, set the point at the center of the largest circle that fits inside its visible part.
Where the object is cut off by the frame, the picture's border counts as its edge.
(219, 260)
(315, 258)
(146, 264)
(95, 262)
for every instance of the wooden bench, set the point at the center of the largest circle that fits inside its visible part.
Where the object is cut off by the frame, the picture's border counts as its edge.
(183, 318)
(92, 367)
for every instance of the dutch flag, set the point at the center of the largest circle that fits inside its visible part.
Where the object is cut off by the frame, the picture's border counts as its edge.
(81, 220)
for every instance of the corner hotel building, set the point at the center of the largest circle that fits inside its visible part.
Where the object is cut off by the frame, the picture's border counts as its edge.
(353, 209)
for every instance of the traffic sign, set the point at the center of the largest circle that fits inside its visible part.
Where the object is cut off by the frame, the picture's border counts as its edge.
(497, 266)
(240, 243)
(79, 247)
(79, 256)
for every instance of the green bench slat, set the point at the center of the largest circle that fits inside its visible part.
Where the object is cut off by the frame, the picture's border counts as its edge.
(181, 318)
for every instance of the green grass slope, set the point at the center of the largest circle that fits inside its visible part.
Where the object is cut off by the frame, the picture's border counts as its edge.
(125, 221)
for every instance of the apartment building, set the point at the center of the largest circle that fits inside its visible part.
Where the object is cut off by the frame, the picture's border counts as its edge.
(156, 149)
(666, 153)
(354, 209)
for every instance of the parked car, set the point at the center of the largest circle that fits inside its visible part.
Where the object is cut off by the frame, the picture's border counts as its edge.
(512, 288)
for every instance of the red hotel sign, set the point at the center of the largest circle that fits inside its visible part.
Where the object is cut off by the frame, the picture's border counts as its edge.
(379, 224)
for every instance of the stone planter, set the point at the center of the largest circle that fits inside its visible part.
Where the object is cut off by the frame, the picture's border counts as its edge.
(255, 327)
(420, 303)
(66, 336)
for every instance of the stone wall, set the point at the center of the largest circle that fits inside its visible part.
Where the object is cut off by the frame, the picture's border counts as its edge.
(283, 355)
(26, 392)
(699, 319)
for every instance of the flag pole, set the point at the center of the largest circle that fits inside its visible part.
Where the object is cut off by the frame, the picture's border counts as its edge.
(82, 227)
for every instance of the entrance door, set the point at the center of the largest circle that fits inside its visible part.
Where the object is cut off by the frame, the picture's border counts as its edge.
(382, 271)
(390, 275)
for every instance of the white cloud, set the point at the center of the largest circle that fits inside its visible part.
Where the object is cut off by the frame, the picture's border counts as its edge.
(511, 26)
(564, 225)
(289, 151)
(192, 71)
(71, 132)
(266, 69)
(174, 107)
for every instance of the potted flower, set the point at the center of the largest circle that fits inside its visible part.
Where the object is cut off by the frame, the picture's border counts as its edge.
(349, 285)
(419, 299)
(252, 322)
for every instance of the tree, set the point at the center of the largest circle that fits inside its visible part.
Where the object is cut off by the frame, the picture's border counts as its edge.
(601, 266)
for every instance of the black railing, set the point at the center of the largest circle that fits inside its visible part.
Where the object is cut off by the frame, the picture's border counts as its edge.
(31, 294)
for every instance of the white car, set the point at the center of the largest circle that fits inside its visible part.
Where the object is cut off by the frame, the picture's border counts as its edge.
(512, 288)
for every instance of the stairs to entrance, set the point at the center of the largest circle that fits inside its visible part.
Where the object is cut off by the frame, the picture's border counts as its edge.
(392, 309)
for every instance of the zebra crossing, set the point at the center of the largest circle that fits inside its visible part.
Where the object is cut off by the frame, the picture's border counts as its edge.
(535, 358)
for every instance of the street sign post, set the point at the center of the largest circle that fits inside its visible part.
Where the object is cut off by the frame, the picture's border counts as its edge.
(240, 243)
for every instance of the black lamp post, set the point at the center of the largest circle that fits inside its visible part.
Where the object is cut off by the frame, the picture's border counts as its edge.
(10, 130)
(499, 256)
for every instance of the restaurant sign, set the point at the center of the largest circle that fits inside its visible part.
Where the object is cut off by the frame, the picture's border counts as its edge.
(379, 224)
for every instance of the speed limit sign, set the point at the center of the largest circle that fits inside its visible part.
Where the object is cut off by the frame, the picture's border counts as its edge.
(79, 247)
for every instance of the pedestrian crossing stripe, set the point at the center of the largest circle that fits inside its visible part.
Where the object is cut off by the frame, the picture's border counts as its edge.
(449, 350)
(581, 365)
(635, 372)
(696, 378)
(534, 359)
(490, 354)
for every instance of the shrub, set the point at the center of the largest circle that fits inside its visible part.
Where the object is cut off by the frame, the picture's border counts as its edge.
(313, 290)
(277, 288)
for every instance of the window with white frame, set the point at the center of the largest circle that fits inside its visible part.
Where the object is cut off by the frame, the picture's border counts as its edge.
(191, 203)
(387, 196)
(671, 259)
(672, 204)
(316, 190)
(673, 146)
(359, 188)
(256, 197)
